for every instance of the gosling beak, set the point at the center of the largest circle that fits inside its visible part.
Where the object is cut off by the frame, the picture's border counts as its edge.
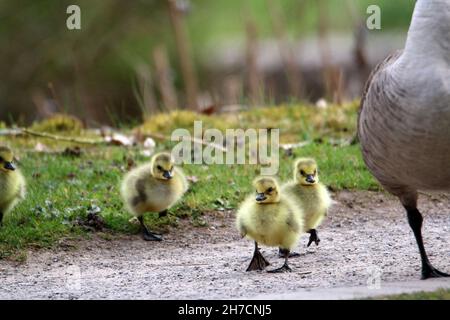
(167, 175)
(310, 178)
(260, 197)
(9, 166)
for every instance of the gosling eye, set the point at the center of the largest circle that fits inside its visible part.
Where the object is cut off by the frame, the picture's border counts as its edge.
(269, 190)
(1, 159)
(302, 172)
(159, 168)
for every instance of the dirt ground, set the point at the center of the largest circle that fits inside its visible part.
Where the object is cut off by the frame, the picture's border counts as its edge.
(365, 237)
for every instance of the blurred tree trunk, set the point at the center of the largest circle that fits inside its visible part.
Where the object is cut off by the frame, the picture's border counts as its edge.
(163, 74)
(333, 75)
(145, 94)
(184, 54)
(287, 55)
(254, 80)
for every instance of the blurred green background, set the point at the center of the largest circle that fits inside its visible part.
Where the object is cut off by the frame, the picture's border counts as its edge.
(100, 73)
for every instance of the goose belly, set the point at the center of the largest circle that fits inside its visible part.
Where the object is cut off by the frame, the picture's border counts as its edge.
(410, 151)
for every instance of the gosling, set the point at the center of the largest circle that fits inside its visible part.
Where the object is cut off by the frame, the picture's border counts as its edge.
(270, 218)
(153, 187)
(12, 183)
(312, 195)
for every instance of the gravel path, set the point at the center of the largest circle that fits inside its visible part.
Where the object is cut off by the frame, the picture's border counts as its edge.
(365, 239)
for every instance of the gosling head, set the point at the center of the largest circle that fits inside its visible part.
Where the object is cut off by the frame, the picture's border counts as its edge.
(6, 160)
(305, 171)
(267, 190)
(162, 166)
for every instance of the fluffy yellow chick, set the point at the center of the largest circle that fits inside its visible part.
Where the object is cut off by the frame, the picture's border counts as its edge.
(153, 187)
(12, 182)
(312, 195)
(272, 219)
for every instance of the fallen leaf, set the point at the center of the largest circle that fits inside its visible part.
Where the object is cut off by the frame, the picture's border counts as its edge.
(119, 139)
(73, 152)
(193, 179)
(40, 147)
(149, 143)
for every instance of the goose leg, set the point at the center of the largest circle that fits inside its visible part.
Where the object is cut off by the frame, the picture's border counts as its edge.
(291, 254)
(313, 237)
(285, 267)
(1, 218)
(258, 261)
(146, 234)
(415, 221)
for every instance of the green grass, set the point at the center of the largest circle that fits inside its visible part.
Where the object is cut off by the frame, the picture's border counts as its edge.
(62, 189)
(440, 294)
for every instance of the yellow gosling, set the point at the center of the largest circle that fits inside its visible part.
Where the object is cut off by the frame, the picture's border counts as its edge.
(153, 187)
(271, 218)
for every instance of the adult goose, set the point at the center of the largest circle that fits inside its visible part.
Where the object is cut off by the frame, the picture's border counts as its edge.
(404, 118)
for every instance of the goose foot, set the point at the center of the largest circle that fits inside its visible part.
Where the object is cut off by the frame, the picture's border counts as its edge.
(428, 271)
(258, 261)
(415, 220)
(313, 237)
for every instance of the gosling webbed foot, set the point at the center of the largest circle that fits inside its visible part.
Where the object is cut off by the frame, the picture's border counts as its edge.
(284, 268)
(313, 237)
(285, 253)
(258, 261)
(428, 271)
(291, 254)
(163, 213)
(148, 235)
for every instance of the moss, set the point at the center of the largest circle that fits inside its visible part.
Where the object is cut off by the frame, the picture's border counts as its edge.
(165, 123)
(59, 123)
(296, 122)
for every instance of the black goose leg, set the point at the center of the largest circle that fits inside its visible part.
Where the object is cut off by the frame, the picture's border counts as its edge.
(415, 221)
(146, 234)
(285, 267)
(258, 261)
(1, 218)
(313, 237)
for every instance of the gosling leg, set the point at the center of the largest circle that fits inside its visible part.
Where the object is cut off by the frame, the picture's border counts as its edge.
(313, 237)
(258, 261)
(285, 267)
(146, 234)
(291, 254)
(163, 213)
(1, 218)
(415, 220)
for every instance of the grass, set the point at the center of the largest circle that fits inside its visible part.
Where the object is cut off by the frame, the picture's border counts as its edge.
(440, 294)
(296, 122)
(62, 189)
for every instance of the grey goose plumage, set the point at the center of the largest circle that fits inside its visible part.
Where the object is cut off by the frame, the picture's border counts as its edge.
(404, 119)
